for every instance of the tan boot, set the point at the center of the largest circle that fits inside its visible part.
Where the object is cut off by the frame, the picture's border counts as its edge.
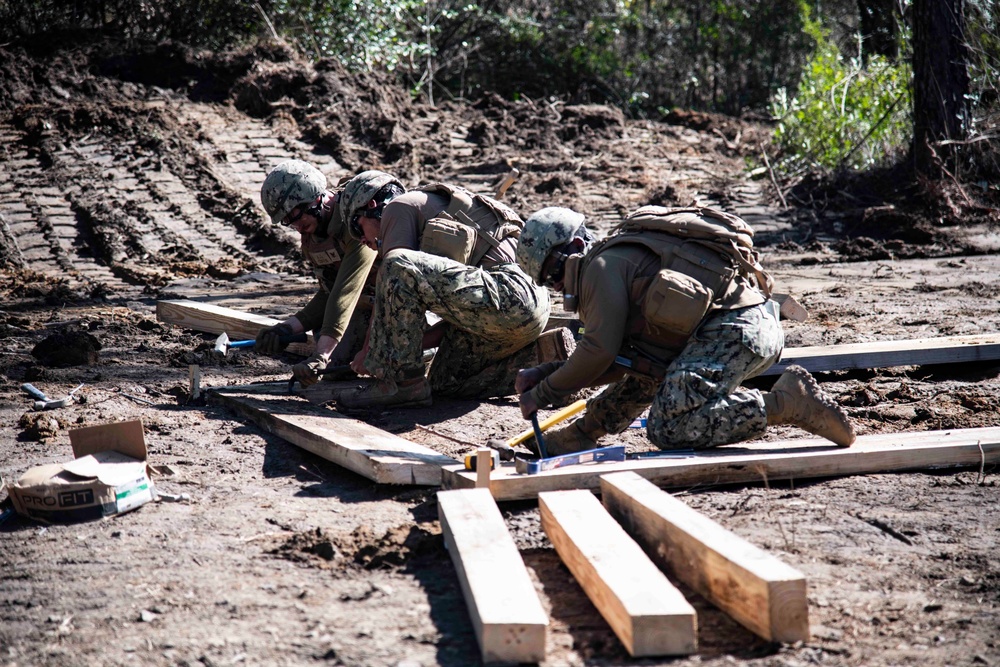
(554, 345)
(797, 399)
(386, 393)
(567, 440)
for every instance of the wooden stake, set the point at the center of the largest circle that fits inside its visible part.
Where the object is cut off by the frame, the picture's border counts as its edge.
(194, 375)
(484, 461)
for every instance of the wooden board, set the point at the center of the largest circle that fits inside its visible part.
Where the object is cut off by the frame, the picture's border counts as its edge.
(507, 616)
(787, 459)
(649, 615)
(366, 450)
(886, 354)
(210, 318)
(758, 590)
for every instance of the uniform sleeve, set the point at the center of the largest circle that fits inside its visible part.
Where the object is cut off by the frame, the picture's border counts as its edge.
(311, 315)
(346, 289)
(401, 222)
(604, 299)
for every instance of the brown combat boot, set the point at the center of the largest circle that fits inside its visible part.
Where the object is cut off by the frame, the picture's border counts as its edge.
(386, 393)
(797, 399)
(568, 439)
(554, 345)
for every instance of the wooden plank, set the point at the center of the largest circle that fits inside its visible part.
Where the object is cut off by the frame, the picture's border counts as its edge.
(886, 354)
(762, 593)
(788, 459)
(649, 615)
(210, 318)
(366, 450)
(507, 616)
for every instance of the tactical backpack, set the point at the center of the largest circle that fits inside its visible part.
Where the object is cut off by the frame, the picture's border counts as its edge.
(469, 227)
(707, 262)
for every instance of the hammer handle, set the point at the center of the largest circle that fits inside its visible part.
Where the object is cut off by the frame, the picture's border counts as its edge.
(285, 340)
(562, 415)
(34, 391)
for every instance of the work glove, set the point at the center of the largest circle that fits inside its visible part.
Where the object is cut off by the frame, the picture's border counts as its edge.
(528, 378)
(268, 340)
(307, 372)
(529, 405)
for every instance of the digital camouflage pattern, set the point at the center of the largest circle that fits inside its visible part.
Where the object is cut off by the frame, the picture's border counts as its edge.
(546, 229)
(362, 189)
(289, 184)
(700, 403)
(493, 314)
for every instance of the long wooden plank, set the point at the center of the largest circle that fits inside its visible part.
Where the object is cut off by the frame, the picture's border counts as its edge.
(788, 459)
(755, 588)
(649, 615)
(886, 354)
(507, 616)
(366, 450)
(210, 318)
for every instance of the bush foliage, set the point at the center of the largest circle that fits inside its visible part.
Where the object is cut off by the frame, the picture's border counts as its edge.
(845, 112)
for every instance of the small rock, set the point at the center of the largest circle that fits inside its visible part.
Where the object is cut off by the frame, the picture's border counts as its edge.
(147, 616)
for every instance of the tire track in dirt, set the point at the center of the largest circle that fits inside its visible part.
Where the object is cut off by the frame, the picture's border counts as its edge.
(43, 225)
(244, 148)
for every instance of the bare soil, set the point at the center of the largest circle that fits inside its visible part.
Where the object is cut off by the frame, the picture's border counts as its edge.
(132, 175)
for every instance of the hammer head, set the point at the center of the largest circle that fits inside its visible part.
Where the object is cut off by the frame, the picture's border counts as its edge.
(222, 344)
(52, 405)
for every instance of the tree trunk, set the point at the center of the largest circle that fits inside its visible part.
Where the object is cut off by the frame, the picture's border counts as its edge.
(940, 81)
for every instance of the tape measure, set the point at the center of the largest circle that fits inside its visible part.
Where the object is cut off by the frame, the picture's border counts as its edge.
(470, 460)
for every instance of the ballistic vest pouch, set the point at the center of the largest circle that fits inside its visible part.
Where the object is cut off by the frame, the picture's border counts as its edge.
(448, 238)
(673, 307)
(486, 224)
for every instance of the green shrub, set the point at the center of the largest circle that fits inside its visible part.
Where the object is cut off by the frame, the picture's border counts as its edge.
(844, 113)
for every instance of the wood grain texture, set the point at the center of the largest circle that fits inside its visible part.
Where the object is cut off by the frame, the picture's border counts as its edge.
(647, 613)
(366, 450)
(739, 464)
(886, 354)
(759, 591)
(210, 318)
(507, 616)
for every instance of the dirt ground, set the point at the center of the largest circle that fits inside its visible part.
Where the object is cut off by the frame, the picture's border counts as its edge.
(130, 176)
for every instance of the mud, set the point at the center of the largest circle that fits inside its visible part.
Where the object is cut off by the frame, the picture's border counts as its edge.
(129, 175)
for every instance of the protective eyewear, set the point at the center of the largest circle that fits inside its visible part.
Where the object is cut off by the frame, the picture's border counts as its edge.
(294, 216)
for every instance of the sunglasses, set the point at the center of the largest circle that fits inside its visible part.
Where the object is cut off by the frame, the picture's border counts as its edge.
(294, 216)
(356, 225)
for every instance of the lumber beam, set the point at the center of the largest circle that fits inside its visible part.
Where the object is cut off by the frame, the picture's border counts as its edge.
(886, 354)
(755, 462)
(210, 318)
(649, 615)
(507, 616)
(371, 452)
(761, 592)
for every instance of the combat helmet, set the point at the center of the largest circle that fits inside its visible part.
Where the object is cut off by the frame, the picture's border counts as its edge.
(291, 183)
(358, 192)
(544, 231)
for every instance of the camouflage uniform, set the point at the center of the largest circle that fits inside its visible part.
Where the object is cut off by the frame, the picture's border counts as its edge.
(700, 402)
(345, 268)
(493, 314)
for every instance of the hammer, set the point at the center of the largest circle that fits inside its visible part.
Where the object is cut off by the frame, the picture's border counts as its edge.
(46, 403)
(506, 449)
(222, 343)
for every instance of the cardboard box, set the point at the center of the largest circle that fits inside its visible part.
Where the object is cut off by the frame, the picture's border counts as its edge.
(109, 476)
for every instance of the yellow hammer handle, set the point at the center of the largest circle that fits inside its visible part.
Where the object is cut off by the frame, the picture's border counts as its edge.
(562, 415)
